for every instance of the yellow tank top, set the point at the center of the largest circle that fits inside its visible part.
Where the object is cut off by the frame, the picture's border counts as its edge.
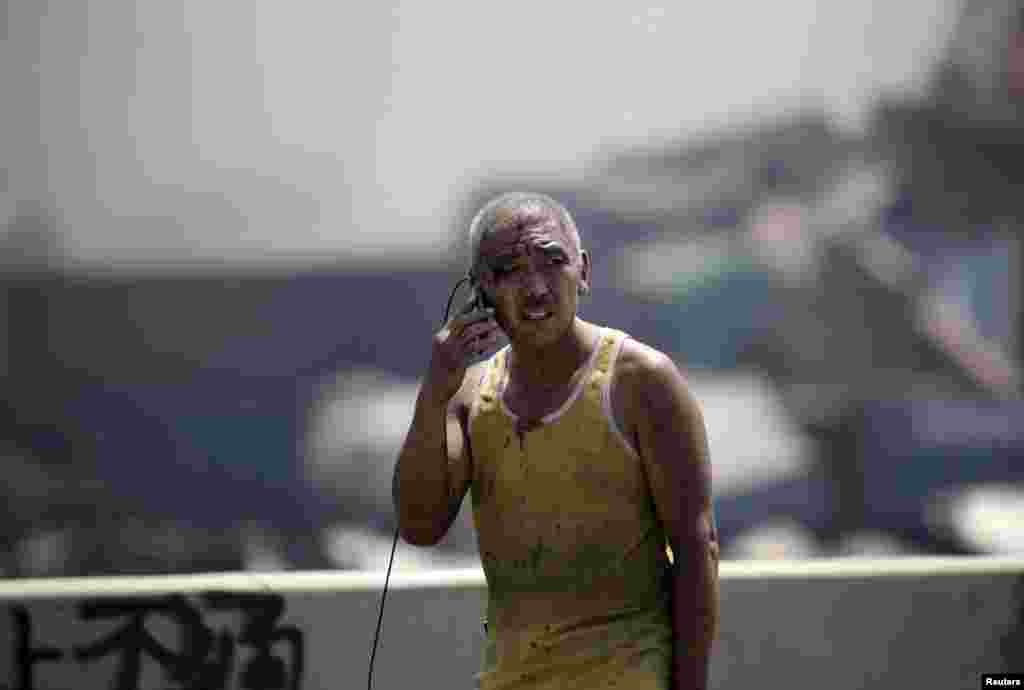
(578, 584)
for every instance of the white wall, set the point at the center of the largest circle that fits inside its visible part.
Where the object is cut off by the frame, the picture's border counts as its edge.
(845, 626)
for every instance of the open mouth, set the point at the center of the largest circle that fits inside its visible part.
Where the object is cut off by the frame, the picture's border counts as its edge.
(536, 315)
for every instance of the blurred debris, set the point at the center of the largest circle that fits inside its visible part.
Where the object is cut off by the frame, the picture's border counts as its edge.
(986, 518)
(871, 544)
(752, 440)
(352, 547)
(846, 306)
(774, 540)
(44, 553)
(359, 422)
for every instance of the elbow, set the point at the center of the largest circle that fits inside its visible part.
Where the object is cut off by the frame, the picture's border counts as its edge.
(414, 527)
(419, 535)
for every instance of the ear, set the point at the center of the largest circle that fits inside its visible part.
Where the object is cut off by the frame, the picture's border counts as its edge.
(585, 271)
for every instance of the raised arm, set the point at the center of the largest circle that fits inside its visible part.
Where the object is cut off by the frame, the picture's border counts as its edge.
(428, 485)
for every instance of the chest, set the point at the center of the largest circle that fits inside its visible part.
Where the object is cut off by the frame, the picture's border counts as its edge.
(570, 489)
(531, 405)
(536, 402)
(567, 474)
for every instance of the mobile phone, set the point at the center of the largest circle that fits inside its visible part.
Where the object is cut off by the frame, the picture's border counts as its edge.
(477, 301)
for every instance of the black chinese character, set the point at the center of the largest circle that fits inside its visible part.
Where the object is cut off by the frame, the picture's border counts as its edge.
(260, 631)
(25, 655)
(203, 662)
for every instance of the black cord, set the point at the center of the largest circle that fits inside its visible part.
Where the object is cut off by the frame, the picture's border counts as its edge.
(394, 544)
(380, 616)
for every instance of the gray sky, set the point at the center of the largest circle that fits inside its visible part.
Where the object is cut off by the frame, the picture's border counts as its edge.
(230, 129)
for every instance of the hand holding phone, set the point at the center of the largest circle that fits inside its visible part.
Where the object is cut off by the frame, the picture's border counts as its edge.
(466, 339)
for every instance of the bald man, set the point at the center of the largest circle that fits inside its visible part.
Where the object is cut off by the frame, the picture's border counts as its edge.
(587, 457)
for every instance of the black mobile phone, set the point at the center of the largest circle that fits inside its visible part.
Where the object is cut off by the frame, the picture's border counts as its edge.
(478, 299)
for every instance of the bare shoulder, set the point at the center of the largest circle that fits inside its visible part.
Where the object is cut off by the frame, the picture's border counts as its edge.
(647, 379)
(639, 363)
(636, 356)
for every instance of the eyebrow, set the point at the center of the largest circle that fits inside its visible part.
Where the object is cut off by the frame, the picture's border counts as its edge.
(551, 248)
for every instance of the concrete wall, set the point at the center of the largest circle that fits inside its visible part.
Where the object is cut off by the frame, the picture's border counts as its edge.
(935, 623)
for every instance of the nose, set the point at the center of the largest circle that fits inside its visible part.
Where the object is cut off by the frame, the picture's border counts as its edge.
(535, 284)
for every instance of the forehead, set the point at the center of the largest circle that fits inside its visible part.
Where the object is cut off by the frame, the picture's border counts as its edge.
(515, 230)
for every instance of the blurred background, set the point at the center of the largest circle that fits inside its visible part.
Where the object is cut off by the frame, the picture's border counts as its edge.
(228, 231)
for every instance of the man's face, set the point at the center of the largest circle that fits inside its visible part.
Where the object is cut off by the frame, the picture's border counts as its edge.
(531, 272)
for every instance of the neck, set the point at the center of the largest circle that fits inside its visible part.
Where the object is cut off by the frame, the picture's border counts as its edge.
(553, 365)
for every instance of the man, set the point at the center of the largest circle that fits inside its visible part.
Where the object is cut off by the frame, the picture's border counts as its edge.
(586, 455)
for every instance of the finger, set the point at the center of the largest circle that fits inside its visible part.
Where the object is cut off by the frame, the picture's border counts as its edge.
(476, 336)
(478, 329)
(457, 324)
(488, 342)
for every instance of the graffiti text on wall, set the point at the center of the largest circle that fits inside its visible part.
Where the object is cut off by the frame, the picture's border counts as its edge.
(259, 653)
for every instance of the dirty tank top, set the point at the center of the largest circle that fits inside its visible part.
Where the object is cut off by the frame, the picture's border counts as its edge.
(578, 583)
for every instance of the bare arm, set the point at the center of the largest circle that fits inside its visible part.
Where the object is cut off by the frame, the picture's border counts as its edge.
(429, 485)
(673, 443)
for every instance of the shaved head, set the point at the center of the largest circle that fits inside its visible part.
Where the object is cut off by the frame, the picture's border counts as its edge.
(518, 208)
